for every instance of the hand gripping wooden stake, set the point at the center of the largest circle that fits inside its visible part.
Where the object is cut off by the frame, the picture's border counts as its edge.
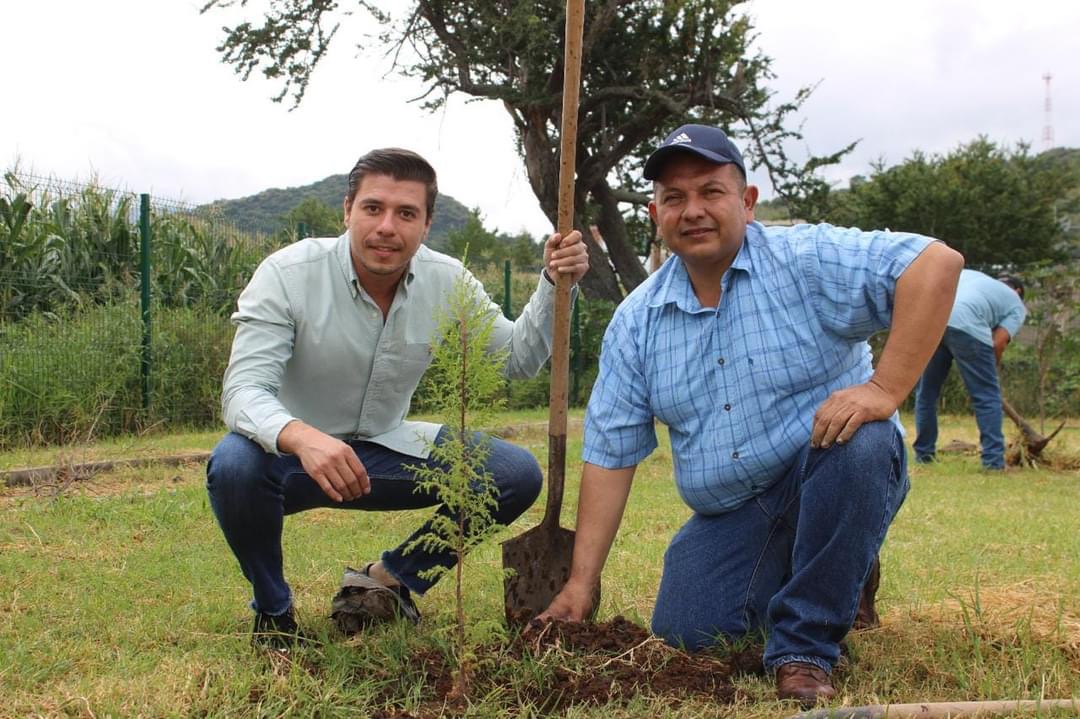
(539, 560)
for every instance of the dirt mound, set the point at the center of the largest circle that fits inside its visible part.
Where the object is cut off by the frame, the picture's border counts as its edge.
(593, 664)
(617, 660)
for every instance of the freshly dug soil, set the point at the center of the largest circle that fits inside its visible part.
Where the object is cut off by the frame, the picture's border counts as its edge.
(595, 664)
(622, 660)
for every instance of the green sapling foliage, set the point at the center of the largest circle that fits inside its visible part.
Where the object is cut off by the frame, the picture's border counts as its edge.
(465, 377)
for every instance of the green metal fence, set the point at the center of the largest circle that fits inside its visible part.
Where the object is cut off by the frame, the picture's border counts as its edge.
(113, 309)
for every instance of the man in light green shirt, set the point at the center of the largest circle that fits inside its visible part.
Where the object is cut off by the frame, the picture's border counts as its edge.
(332, 338)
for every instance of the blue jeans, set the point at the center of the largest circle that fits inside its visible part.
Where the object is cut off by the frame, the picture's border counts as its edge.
(978, 369)
(790, 563)
(252, 491)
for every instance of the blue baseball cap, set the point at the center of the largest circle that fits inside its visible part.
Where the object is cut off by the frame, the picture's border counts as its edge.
(708, 142)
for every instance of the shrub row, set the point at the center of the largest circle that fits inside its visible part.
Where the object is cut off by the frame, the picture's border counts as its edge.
(70, 376)
(73, 374)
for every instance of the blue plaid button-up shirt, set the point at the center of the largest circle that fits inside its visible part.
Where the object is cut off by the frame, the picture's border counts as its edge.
(738, 385)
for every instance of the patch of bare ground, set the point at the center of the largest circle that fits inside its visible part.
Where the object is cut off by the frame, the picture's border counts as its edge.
(590, 664)
(121, 480)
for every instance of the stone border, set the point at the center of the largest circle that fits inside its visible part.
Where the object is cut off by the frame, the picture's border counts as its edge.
(77, 472)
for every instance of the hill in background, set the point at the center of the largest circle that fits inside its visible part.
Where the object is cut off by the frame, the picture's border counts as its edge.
(264, 212)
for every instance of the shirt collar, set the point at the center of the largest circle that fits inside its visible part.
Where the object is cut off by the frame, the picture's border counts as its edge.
(344, 256)
(744, 259)
(674, 286)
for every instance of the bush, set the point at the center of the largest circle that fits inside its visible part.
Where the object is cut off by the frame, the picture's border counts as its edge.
(74, 375)
(191, 350)
(67, 376)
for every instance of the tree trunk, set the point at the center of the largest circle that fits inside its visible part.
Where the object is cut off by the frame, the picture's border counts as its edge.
(600, 282)
(542, 168)
(621, 249)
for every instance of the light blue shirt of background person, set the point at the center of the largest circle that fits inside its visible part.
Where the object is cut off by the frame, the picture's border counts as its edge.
(738, 385)
(983, 303)
(311, 344)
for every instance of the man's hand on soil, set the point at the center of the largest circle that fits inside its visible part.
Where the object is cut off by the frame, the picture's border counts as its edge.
(845, 410)
(572, 604)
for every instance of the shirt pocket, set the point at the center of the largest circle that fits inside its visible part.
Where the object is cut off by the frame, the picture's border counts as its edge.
(412, 361)
(792, 364)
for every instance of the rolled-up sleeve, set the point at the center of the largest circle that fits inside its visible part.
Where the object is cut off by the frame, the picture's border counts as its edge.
(1015, 314)
(852, 276)
(265, 333)
(527, 339)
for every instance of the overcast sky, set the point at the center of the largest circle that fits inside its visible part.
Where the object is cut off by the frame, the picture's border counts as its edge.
(133, 92)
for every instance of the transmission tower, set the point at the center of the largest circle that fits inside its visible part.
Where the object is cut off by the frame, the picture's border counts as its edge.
(1048, 127)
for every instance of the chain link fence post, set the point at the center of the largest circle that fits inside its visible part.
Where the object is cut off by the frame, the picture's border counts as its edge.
(144, 300)
(508, 312)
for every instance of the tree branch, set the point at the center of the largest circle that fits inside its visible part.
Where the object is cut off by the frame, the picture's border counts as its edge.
(621, 194)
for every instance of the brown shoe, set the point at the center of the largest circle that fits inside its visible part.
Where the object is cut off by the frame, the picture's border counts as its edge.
(867, 617)
(805, 682)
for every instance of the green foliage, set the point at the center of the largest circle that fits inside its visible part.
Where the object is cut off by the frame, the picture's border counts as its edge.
(1052, 297)
(67, 376)
(464, 381)
(75, 374)
(70, 279)
(200, 261)
(487, 249)
(482, 245)
(314, 218)
(773, 212)
(58, 249)
(994, 205)
(1066, 161)
(64, 245)
(191, 349)
(525, 253)
(593, 318)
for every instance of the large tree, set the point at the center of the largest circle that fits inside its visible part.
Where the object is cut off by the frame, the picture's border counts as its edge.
(647, 66)
(993, 204)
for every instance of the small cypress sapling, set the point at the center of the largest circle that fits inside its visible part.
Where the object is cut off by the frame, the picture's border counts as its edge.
(464, 381)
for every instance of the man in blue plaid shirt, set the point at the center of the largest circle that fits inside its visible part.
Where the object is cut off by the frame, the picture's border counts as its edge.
(750, 345)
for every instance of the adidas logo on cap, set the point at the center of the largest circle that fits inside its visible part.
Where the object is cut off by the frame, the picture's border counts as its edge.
(710, 143)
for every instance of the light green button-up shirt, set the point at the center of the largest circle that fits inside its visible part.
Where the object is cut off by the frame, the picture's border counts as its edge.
(311, 344)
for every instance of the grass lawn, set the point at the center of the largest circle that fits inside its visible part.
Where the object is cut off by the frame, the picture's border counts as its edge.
(119, 597)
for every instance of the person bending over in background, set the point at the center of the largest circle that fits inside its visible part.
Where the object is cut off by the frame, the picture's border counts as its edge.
(985, 317)
(332, 337)
(750, 345)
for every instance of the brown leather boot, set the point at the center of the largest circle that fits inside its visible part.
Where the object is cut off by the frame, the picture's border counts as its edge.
(867, 617)
(805, 682)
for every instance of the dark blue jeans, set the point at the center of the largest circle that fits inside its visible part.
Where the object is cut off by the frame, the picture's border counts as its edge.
(978, 369)
(791, 562)
(252, 491)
